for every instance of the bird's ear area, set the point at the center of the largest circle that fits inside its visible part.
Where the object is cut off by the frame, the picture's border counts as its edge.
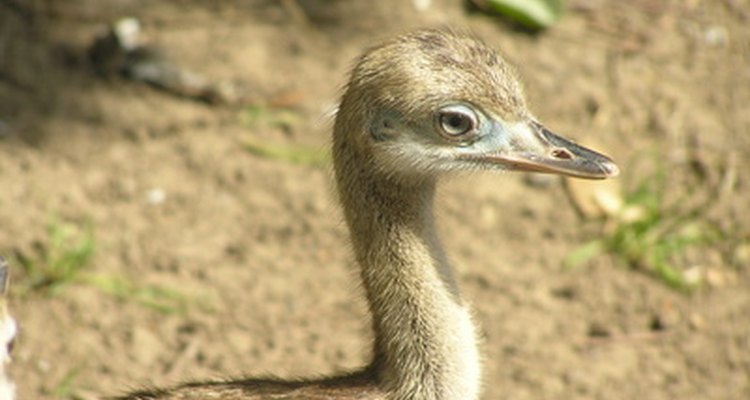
(384, 126)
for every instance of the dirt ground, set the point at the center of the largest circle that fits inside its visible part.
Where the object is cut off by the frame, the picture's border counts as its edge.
(255, 250)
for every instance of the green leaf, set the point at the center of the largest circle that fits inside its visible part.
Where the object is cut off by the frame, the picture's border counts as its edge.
(534, 14)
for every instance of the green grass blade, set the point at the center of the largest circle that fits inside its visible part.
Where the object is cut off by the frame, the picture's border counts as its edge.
(533, 14)
(298, 155)
(59, 260)
(164, 300)
(584, 253)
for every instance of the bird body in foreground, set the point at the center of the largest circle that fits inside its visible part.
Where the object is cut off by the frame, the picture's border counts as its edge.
(417, 106)
(8, 331)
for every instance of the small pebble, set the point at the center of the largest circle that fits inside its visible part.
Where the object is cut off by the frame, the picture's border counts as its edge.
(720, 276)
(43, 365)
(666, 317)
(716, 36)
(487, 216)
(598, 329)
(565, 292)
(422, 5)
(693, 276)
(5, 129)
(697, 321)
(156, 196)
(741, 255)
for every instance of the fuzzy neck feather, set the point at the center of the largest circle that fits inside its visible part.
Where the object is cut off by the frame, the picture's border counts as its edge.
(425, 345)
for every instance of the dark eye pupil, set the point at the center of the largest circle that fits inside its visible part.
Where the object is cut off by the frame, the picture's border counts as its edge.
(456, 121)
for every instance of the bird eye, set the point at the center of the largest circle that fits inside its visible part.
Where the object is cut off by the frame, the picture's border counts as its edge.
(455, 122)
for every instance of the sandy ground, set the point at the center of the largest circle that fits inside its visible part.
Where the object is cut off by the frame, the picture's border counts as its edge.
(255, 250)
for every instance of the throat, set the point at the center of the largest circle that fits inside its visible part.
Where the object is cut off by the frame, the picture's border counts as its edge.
(425, 345)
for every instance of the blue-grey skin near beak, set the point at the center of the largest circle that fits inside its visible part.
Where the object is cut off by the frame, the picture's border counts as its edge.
(529, 146)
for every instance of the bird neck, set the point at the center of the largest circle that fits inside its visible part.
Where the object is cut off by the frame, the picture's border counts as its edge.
(425, 345)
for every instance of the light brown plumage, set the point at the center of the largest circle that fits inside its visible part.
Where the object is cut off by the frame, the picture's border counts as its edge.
(8, 330)
(416, 106)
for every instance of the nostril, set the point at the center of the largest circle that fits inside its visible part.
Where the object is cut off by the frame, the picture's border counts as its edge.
(562, 154)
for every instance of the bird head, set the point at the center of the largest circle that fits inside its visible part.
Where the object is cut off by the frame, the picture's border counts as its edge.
(438, 100)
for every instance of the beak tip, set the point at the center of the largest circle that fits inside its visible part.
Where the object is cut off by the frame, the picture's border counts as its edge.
(611, 170)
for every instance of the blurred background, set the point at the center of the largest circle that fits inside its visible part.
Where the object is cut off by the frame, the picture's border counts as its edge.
(167, 208)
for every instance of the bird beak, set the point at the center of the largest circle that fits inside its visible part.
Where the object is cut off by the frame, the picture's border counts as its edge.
(530, 147)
